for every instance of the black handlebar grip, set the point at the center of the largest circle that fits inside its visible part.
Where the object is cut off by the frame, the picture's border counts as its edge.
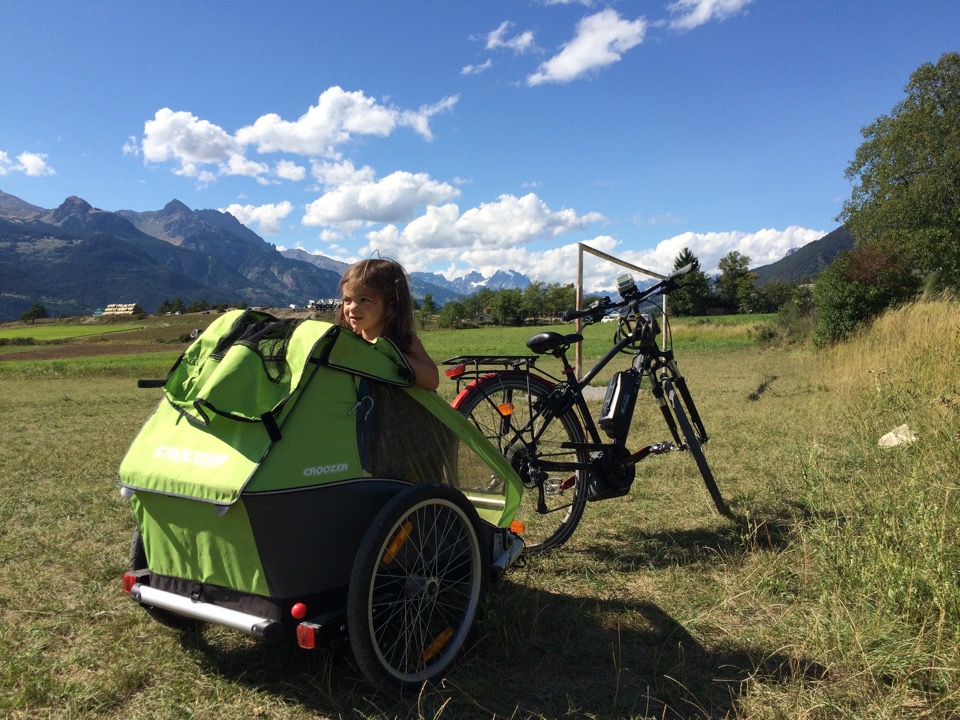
(150, 383)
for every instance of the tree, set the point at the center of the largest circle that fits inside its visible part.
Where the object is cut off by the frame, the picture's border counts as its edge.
(561, 298)
(34, 313)
(427, 308)
(535, 299)
(735, 286)
(694, 294)
(508, 308)
(452, 314)
(906, 175)
(857, 287)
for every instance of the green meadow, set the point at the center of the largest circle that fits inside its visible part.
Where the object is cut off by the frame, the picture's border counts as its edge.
(833, 593)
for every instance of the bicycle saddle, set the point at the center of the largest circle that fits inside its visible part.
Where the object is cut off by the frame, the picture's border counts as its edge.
(551, 343)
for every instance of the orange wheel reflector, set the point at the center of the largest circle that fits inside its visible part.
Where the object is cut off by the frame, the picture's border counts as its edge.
(399, 539)
(517, 527)
(506, 409)
(437, 645)
(568, 483)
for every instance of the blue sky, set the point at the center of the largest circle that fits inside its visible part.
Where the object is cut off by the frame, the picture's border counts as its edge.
(464, 135)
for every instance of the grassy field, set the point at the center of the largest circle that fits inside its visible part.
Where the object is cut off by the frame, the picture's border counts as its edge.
(834, 593)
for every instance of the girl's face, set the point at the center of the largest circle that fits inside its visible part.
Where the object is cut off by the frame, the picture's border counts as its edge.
(363, 311)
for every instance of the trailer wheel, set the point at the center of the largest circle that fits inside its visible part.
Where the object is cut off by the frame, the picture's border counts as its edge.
(416, 585)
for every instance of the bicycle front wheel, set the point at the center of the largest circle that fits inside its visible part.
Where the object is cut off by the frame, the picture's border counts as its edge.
(694, 445)
(510, 409)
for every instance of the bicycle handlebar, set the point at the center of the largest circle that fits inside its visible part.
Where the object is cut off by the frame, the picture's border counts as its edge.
(603, 306)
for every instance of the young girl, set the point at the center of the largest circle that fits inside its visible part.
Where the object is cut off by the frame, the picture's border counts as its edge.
(377, 301)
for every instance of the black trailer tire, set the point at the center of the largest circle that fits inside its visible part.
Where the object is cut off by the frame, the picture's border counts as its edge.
(415, 589)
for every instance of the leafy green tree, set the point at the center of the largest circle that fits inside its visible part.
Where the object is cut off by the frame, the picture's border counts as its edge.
(906, 174)
(774, 295)
(561, 298)
(34, 313)
(694, 294)
(507, 308)
(479, 302)
(735, 286)
(535, 300)
(428, 308)
(857, 287)
(198, 306)
(452, 314)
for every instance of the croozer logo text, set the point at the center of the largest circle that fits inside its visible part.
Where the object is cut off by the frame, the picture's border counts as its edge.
(190, 457)
(325, 469)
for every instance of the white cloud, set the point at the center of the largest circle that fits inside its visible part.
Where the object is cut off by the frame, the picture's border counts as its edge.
(268, 217)
(392, 199)
(337, 117)
(762, 247)
(289, 170)
(334, 174)
(184, 138)
(518, 43)
(420, 120)
(477, 69)
(490, 234)
(694, 13)
(30, 164)
(601, 40)
(436, 240)
(203, 150)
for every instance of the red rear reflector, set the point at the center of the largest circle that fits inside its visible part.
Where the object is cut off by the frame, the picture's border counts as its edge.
(568, 483)
(517, 527)
(506, 409)
(306, 636)
(455, 371)
(129, 580)
(299, 611)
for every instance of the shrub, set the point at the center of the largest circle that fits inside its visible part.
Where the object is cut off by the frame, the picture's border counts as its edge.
(858, 286)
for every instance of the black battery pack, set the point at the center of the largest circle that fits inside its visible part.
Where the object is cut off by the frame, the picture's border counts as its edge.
(618, 403)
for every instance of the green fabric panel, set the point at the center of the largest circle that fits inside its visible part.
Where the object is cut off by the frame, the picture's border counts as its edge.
(197, 363)
(188, 539)
(238, 383)
(470, 435)
(319, 443)
(174, 456)
(350, 353)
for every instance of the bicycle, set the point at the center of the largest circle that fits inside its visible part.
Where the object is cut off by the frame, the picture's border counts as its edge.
(544, 427)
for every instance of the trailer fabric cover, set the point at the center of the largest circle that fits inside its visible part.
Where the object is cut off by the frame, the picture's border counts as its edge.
(264, 420)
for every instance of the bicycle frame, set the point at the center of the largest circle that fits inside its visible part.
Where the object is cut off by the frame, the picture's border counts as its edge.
(609, 460)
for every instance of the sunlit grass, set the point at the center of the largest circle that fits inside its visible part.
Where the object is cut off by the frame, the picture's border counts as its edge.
(833, 594)
(63, 332)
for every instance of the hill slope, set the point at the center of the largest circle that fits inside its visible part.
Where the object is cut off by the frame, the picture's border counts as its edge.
(808, 261)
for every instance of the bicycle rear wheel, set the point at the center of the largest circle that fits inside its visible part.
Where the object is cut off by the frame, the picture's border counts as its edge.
(694, 444)
(509, 409)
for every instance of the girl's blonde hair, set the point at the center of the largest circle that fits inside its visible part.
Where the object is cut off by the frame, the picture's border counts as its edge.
(386, 279)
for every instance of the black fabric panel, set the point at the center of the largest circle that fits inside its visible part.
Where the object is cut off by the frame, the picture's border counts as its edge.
(308, 538)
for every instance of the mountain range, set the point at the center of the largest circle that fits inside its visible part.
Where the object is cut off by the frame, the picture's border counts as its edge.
(75, 258)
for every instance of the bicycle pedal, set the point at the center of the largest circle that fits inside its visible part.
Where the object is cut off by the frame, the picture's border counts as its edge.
(552, 487)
